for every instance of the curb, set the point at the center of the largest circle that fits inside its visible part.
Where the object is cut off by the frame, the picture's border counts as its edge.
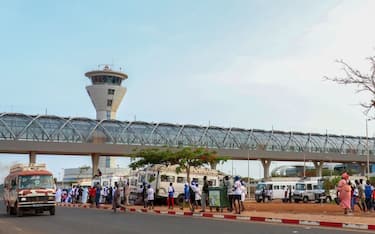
(235, 217)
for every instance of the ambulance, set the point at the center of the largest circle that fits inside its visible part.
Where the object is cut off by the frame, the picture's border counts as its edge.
(29, 188)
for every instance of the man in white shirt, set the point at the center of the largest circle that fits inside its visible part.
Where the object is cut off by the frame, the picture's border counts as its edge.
(237, 195)
(150, 197)
(243, 195)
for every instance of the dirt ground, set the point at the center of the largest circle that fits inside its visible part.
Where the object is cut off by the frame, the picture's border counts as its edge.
(300, 208)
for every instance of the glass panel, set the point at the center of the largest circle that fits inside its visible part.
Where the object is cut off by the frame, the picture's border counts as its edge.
(36, 181)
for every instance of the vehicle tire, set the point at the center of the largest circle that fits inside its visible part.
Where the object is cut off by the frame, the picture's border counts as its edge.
(52, 211)
(19, 212)
(180, 199)
(305, 199)
(296, 200)
(258, 200)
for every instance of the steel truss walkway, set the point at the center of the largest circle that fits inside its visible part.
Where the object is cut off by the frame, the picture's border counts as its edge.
(17, 130)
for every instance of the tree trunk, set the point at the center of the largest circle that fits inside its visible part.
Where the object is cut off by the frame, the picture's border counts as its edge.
(188, 174)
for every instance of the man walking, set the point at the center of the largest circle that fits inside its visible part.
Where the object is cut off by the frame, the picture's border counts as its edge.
(116, 198)
(150, 197)
(204, 196)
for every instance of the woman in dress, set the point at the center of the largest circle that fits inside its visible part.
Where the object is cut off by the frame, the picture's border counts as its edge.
(344, 191)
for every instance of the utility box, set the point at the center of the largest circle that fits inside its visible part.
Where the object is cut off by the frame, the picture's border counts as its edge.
(218, 198)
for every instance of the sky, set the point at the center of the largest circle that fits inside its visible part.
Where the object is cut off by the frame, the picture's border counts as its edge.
(248, 64)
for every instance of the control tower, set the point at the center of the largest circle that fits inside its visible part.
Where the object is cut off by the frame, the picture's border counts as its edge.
(106, 92)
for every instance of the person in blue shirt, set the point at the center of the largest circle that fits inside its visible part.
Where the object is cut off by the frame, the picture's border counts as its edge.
(97, 194)
(186, 197)
(368, 195)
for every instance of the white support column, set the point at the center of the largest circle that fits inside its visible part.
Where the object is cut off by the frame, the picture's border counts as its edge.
(363, 169)
(266, 167)
(32, 157)
(319, 168)
(213, 165)
(95, 163)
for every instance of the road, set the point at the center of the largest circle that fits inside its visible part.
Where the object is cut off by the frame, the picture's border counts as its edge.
(75, 220)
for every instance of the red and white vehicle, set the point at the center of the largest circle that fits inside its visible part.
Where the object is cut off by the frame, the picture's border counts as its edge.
(29, 188)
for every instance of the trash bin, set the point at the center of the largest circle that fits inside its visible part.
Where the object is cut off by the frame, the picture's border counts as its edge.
(217, 198)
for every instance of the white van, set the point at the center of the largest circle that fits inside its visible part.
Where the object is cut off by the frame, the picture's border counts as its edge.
(310, 190)
(273, 189)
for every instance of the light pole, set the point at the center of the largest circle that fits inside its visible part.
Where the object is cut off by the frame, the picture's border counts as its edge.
(304, 165)
(232, 168)
(367, 149)
(62, 178)
(248, 172)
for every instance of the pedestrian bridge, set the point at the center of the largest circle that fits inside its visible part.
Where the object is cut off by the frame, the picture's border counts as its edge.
(46, 134)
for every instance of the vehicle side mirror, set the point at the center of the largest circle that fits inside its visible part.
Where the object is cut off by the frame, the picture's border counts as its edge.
(14, 183)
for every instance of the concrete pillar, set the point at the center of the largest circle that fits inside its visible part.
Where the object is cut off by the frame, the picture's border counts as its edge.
(363, 169)
(32, 157)
(266, 168)
(95, 163)
(319, 168)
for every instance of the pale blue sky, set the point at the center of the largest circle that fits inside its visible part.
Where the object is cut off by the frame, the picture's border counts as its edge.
(249, 64)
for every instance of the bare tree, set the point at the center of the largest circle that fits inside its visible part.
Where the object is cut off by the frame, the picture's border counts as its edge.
(365, 82)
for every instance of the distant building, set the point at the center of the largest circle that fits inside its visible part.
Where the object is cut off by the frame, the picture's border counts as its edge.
(83, 175)
(290, 171)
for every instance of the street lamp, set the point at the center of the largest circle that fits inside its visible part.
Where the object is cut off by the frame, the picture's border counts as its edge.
(248, 172)
(62, 177)
(367, 149)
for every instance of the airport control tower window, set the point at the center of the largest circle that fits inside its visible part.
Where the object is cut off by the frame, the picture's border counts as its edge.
(109, 102)
(113, 80)
(111, 91)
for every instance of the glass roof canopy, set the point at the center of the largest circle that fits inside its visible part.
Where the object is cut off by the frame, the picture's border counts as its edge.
(44, 128)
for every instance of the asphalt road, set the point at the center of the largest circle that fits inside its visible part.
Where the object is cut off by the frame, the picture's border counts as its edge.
(80, 221)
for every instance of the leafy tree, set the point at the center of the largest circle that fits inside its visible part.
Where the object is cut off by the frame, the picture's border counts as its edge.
(331, 183)
(148, 157)
(185, 158)
(188, 157)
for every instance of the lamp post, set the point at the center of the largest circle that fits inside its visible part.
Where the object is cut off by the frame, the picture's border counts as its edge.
(62, 177)
(248, 172)
(367, 149)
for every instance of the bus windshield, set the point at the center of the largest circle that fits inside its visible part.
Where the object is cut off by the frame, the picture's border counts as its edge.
(36, 182)
(261, 186)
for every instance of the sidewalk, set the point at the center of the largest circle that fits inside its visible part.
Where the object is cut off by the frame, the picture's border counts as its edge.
(327, 220)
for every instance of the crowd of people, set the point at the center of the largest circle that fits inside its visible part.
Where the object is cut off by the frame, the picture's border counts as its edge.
(358, 194)
(350, 195)
(94, 194)
(194, 196)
